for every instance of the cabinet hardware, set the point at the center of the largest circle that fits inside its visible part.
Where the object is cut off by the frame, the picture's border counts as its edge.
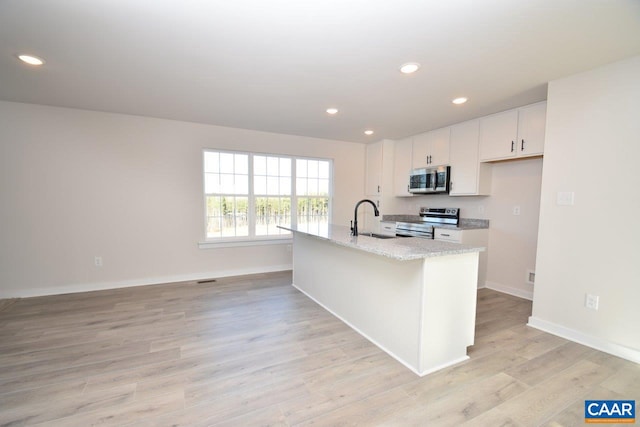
(512, 145)
(522, 146)
(430, 159)
(445, 235)
(378, 188)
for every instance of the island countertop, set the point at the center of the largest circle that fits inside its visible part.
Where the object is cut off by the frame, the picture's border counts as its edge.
(400, 248)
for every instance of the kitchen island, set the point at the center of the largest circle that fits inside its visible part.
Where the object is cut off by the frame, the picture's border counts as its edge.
(414, 298)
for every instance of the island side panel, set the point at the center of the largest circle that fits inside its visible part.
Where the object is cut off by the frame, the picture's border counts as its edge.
(377, 296)
(449, 300)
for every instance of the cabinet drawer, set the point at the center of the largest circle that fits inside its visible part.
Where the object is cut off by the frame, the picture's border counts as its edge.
(388, 228)
(448, 235)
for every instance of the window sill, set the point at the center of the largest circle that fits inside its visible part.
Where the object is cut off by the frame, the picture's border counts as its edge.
(239, 243)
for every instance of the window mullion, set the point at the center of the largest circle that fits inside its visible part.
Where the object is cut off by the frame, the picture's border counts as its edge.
(294, 194)
(252, 201)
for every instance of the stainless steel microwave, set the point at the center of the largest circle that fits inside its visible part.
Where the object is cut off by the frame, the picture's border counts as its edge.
(429, 180)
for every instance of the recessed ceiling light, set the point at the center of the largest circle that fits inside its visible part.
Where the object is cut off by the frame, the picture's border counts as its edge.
(368, 132)
(410, 67)
(460, 100)
(30, 59)
(332, 111)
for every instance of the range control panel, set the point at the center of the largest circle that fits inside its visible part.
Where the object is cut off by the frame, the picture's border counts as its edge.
(440, 215)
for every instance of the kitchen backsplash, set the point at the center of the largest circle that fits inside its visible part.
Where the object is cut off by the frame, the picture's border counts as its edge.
(464, 222)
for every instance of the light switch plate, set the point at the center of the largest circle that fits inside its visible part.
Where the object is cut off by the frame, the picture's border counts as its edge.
(591, 301)
(565, 198)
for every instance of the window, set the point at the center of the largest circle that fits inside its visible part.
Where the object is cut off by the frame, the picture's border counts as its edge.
(248, 195)
(312, 191)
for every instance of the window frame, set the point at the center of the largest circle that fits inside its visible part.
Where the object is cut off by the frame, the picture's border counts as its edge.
(253, 239)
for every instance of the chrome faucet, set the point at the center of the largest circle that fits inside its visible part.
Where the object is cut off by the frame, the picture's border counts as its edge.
(354, 223)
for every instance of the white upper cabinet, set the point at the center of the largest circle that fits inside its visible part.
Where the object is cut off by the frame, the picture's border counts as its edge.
(498, 134)
(431, 148)
(402, 165)
(373, 169)
(468, 177)
(531, 125)
(513, 133)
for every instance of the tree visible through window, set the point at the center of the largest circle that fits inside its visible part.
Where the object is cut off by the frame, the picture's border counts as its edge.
(272, 190)
(312, 191)
(249, 195)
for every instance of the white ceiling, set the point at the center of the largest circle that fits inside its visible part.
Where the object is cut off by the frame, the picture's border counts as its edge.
(276, 65)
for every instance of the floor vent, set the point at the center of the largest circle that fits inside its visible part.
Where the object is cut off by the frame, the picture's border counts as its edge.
(207, 281)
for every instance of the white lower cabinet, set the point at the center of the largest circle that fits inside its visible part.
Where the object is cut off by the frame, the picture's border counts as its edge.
(468, 237)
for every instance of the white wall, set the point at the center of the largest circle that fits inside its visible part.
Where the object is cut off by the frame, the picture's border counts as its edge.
(512, 239)
(592, 149)
(75, 184)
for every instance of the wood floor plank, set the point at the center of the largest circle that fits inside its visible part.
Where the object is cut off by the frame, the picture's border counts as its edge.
(53, 409)
(82, 371)
(7, 302)
(573, 415)
(123, 414)
(252, 350)
(370, 411)
(461, 405)
(549, 363)
(539, 403)
(70, 389)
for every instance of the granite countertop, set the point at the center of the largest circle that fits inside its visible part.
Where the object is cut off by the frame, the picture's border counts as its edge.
(399, 248)
(464, 224)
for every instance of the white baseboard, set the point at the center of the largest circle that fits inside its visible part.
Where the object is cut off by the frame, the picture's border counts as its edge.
(516, 292)
(585, 339)
(87, 287)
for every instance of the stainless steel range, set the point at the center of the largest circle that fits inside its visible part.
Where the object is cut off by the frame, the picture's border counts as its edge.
(429, 217)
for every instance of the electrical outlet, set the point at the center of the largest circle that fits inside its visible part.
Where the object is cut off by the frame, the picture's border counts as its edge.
(516, 210)
(591, 301)
(531, 277)
(98, 261)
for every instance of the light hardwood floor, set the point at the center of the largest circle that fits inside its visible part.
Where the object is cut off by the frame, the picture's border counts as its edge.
(252, 350)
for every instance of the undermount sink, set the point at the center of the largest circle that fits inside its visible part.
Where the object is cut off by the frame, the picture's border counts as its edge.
(377, 236)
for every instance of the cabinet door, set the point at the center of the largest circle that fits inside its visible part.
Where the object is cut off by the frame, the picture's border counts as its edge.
(464, 158)
(531, 125)
(498, 134)
(420, 154)
(431, 148)
(373, 169)
(402, 167)
(439, 146)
